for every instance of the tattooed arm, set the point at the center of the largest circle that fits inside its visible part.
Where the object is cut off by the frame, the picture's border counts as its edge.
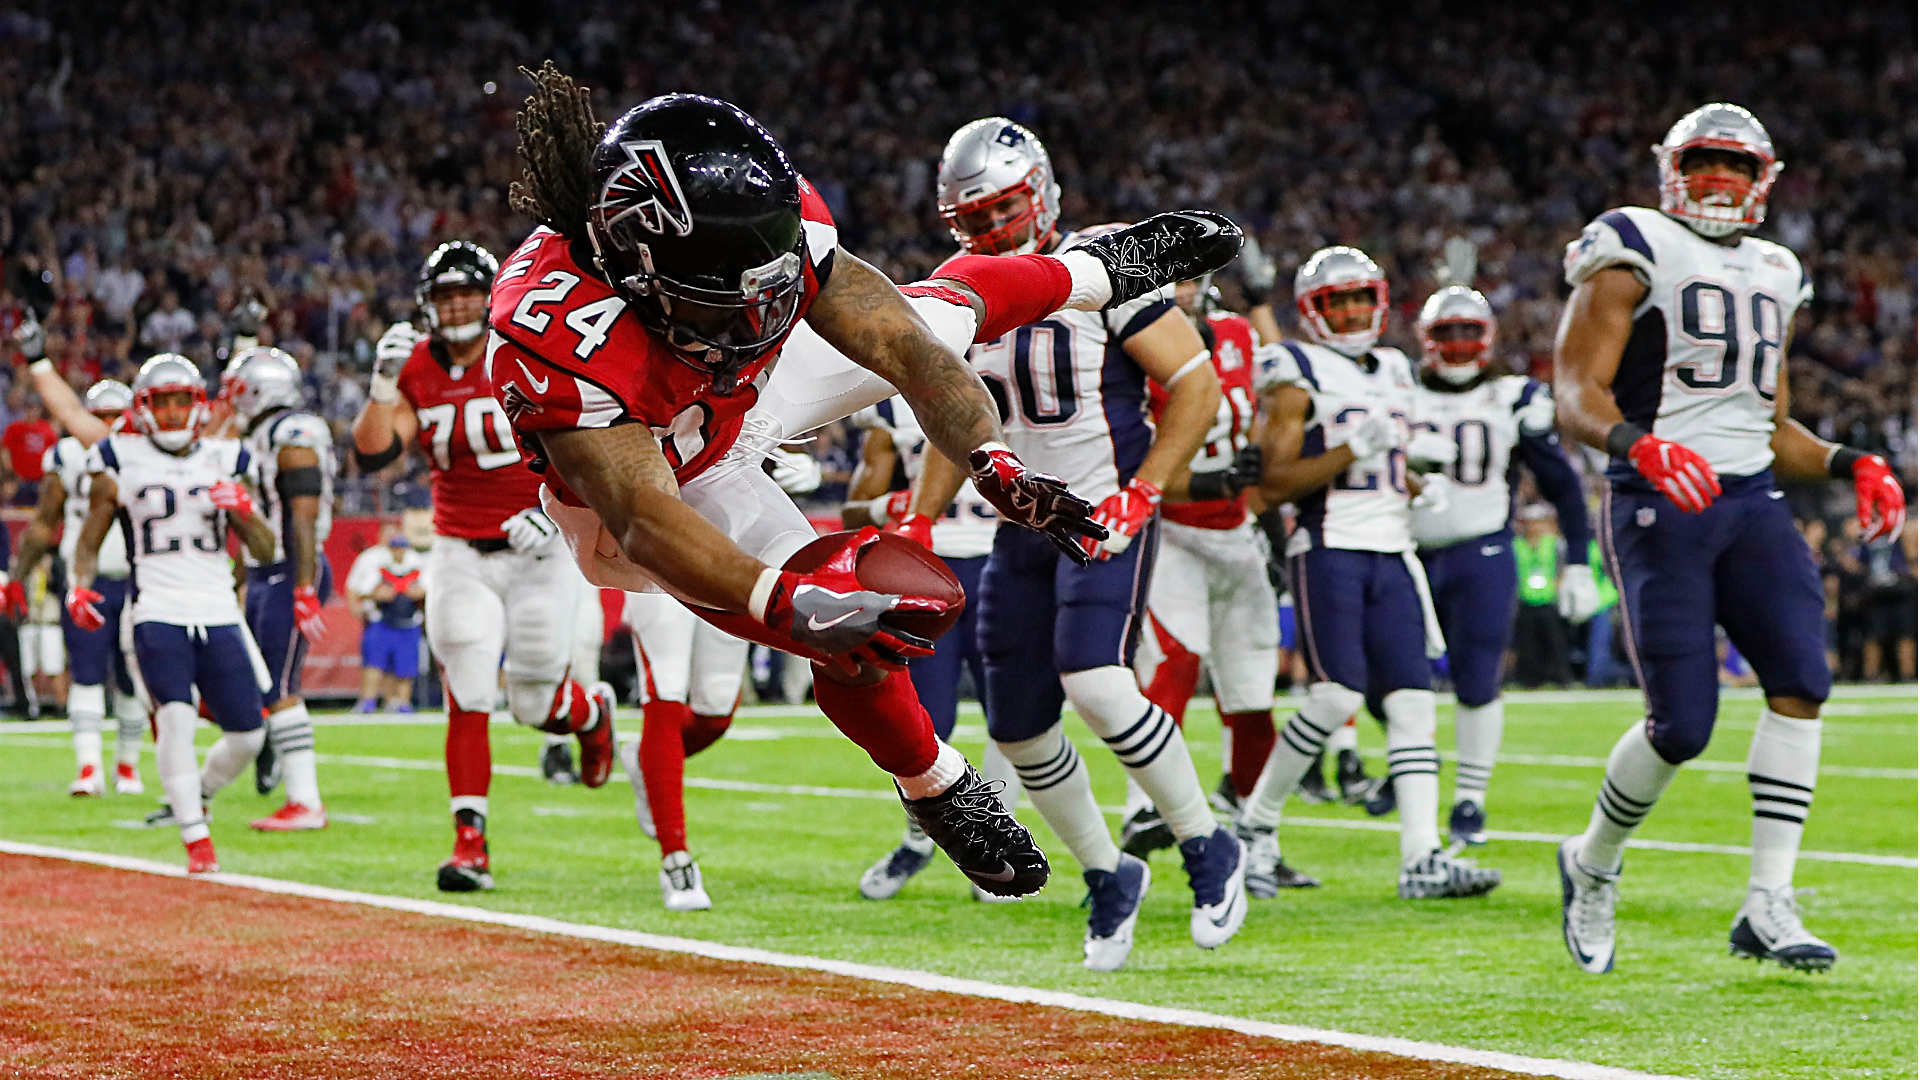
(624, 477)
(864, 316)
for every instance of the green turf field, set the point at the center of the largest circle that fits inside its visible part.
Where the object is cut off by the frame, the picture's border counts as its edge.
(785, 815)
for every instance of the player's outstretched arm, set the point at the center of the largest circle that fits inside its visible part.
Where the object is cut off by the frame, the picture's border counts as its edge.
(867, 490)
(1279, 432)
(862, 314)
(65, 406)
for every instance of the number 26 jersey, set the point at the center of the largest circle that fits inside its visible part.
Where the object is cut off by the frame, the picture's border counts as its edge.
(177, 539)
(1703, 360)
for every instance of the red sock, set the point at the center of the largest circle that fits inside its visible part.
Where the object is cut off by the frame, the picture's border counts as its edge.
(663, 765)
(571, 712)
(703, 731)
(1173, 681)
(1252, 742)
(469, 757)
(885, 719)
(1014, 289)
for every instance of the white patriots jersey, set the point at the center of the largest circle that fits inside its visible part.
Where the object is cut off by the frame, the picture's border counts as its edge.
(1485, 423)
(181, 571)
(1704, 358)
(1365, 508)
(1072, 402)
(272, 433)
(67, 459)
(966, 530)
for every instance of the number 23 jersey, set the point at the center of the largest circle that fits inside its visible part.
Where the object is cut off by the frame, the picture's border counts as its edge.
(181, 571)
(476, 476)
(1703, 360)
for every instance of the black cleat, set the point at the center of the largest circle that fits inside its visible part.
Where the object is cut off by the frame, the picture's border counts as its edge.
(1313, 784)
(1225, 798)
(1381, 801)
(1352, 777)
(266, 769)
(1768, 928)
(1145, 833)
(1468, 825)
(986, 843)
(556, 764)
(1165, 248)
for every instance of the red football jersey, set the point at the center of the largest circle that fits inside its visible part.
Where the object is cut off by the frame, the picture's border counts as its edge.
(477, 479)
(565, 354)
(1232, 338)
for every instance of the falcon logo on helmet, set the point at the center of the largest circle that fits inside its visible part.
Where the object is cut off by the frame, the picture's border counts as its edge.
(646, 187)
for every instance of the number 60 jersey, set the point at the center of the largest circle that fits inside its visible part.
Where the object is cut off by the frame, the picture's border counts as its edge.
(1704, 357)
(476, 476)
(177, 539)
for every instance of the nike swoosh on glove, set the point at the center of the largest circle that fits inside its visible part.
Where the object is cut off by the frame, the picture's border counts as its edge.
(1877, 492)
(1683, 476)
(827, 611)
(1034, 499)
(1124, 513)
(80, 606)
(306, 612)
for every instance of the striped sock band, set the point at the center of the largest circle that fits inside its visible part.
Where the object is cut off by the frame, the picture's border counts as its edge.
(1304, 736)
(1140, 744)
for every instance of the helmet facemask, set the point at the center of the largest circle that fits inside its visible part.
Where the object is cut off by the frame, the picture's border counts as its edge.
(1457, 350)
(1351, 342)
(190, 415)
(1010, 221)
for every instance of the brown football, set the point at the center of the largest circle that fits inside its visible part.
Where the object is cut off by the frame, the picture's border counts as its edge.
(894, 564)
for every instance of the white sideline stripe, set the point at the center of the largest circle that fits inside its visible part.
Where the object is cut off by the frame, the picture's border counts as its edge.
(919, 980)
(752, 787)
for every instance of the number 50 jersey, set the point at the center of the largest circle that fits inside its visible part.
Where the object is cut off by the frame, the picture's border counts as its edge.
(1704, 358)
(178, 540)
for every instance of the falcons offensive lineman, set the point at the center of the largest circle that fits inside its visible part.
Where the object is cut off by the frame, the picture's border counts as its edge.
(1072, 390)
(93, 656)
(293, 455)
(688, 217)
(176, 495)
(1477, 420)
(1670, 355)
(498, 584)
(1336, 421)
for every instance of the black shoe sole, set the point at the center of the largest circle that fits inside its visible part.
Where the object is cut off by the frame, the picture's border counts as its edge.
(461, 879)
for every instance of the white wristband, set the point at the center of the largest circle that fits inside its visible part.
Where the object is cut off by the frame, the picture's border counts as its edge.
(762, 593)
(42, 366)
(384, 389)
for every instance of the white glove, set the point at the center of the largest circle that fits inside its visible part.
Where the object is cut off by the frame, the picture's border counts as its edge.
(1428, 451)
(1536, 416)
(1579, 596)
(389, 356)
(1375, 434)
(529, 530)
(1436, 492)
(795, 472)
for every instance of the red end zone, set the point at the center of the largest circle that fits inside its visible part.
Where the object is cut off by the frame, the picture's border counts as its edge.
(113, 974)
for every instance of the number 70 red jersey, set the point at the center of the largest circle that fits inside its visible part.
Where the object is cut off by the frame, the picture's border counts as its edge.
(477, 479)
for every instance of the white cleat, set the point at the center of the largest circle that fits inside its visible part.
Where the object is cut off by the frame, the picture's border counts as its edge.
(642, 809)
(1587, 900)
(126, 780)
(1217, 870)
(1769, 928)
(89, 783)
(680, 884)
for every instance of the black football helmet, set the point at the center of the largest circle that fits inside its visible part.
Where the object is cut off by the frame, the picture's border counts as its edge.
(697, 224)
(456, 262)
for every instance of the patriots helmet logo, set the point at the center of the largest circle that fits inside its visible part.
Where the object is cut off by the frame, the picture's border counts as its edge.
(646, 188)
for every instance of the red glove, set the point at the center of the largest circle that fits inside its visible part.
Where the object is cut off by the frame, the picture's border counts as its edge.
(896, 507)
(231, 496)
(13, 600)
(1035, 500)
(827, 611)
(1124, 513)
(1683, 476)
(915, 527)
(1883, 506)
(306, 612)
(80, 607)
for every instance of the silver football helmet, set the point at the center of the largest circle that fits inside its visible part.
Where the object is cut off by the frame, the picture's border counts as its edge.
(259, 379)
(1456, 334)
(1717, 205)
(987, 165)
(1334, 270)
(109, 397)
(169, 373)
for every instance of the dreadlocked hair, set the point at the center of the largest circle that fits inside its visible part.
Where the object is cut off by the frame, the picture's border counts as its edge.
(558, 133)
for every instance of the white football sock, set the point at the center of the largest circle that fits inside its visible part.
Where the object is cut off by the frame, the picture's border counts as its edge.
(1476, 735)
(132, 717)
(1136, 799)
(179, 773)
(86, 708)
(1636, 776)
(475, 803)
(948, 765)
(1782, 767)
(1092, 288)
(292, 733)
(1344, 737)
(995, 766)
(1055, 779)
(230, 753)
(1147, 742)
(1300, 739)
(1413, 768)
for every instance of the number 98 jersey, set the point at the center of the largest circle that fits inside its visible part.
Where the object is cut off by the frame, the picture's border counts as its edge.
(177, 539)
(1704, 358)
(477, 480)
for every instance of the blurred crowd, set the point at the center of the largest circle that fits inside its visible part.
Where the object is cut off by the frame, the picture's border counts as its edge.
(173, 177)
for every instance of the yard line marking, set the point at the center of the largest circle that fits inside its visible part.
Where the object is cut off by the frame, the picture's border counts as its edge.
(751, 787)
(919, 980)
